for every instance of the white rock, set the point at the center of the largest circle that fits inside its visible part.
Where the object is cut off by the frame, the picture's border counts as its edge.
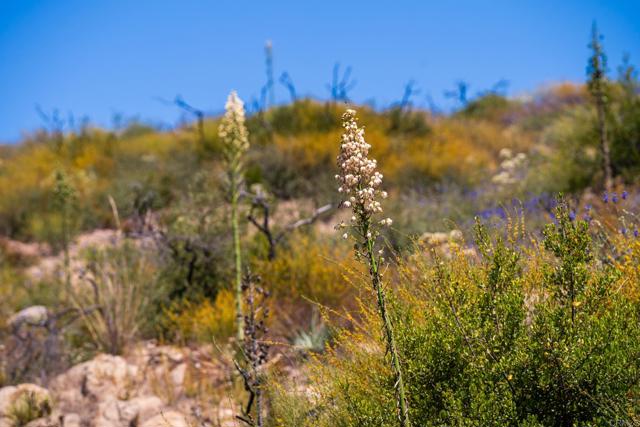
(35, 315)
(50, 421)
(104, 377)
(72, 420)
(167, 419)
(6, 393)
(124, 413)
(178, 374)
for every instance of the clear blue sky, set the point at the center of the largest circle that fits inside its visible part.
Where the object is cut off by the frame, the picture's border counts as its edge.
(97, 58)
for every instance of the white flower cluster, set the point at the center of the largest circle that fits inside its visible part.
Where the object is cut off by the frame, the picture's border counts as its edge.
(359, 180)
(511, 168)
(232, 130)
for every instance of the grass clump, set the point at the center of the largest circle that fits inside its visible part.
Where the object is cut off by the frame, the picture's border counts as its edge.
(27, 406)
(116, 295)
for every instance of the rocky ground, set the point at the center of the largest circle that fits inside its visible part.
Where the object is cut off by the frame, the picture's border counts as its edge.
(151, 386)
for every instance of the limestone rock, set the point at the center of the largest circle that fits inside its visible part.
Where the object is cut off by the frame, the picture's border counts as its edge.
(71, 420)
(125, 413)
(54, 420)
(35, 315)
(167, 419)
(105, 376)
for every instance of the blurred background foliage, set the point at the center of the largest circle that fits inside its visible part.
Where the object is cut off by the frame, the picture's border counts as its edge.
(293, 150)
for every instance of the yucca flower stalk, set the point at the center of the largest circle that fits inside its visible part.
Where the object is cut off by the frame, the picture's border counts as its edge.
(360, 185)
(235, 143)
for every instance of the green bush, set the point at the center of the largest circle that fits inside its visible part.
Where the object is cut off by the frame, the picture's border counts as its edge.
(527, 336)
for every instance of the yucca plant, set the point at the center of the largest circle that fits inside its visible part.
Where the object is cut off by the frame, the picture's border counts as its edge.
(115, 294)
(360, 185)
(235, 143)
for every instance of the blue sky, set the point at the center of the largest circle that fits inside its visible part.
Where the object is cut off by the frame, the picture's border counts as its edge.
(98, 58)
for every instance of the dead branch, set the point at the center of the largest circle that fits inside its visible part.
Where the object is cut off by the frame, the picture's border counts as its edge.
(260, 202)
(182, 104)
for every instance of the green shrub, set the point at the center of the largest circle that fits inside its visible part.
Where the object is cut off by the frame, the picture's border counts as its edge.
(527, 336)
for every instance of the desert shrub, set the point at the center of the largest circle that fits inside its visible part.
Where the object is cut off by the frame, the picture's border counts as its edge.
(571, 141)
(99, 164)
(20, 291)
(458, 151)
(491, 107)
(548, 103)
(412, 152)
(629, 265)
(310, 268)
(30, 353)
(535, 335)
(624, 122)
(195, 242)
(571, 156)
(303, 116)
(295, 165)
(201, 321)
(407, 121)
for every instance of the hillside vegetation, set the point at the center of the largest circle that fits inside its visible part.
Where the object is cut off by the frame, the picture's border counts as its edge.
(496, 284)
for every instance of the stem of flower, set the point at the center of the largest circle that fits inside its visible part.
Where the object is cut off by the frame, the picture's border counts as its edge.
(238, 262)
(374, 271)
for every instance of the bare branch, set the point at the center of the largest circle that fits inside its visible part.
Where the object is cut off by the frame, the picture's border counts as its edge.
(182, 104)
(259, 201)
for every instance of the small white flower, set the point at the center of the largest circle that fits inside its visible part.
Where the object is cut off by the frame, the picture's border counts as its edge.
(232, 130)
(358, 177)
(345, 236)
(386, 221)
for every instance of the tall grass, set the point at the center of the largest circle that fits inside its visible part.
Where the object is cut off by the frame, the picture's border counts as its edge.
(115, 294)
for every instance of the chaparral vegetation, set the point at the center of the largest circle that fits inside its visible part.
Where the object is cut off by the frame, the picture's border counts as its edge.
(322, 263)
